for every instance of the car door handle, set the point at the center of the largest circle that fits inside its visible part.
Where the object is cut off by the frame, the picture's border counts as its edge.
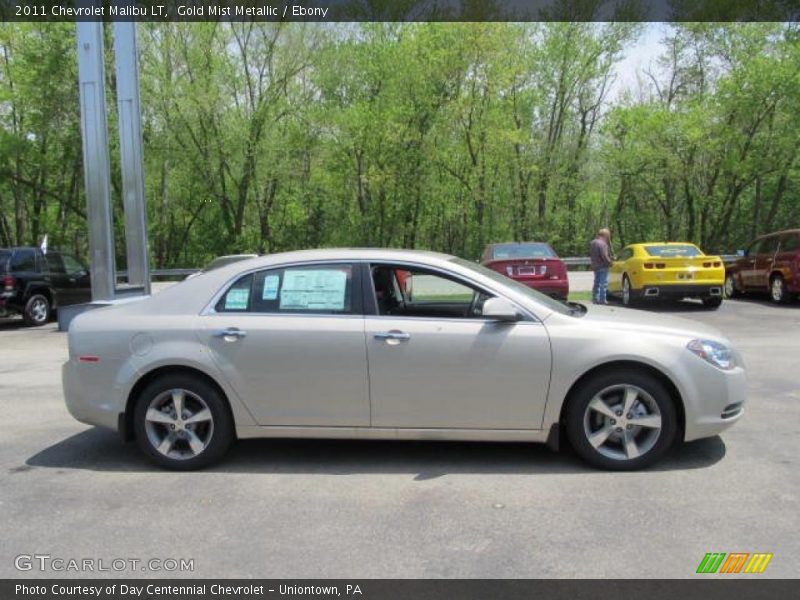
(230, 332)
(389, 336)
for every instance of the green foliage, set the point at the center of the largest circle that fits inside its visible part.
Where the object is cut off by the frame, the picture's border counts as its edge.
(447, 136)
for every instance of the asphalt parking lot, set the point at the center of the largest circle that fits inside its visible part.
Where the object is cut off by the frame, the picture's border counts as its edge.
(294, 508)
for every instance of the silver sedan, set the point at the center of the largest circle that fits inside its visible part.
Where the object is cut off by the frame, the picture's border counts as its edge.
(393, 344)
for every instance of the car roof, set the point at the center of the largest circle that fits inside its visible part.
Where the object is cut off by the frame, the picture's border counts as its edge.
(327, 254)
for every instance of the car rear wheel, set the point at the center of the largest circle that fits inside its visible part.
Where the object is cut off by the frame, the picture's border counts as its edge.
(37, 310)
(628, 298)
(182, 423)
(730, 286)
(777, 290)
(621, 420)
(713, 302)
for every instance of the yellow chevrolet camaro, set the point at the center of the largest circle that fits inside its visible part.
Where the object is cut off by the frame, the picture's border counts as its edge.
(666, 270)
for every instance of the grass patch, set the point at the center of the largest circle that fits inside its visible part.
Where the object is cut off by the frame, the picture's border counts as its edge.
(580, 296)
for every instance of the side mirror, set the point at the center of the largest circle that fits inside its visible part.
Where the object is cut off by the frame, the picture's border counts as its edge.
(500, 309)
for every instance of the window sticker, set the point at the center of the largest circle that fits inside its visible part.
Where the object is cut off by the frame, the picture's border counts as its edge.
(236, 299)
(270, 291)
(309, 289)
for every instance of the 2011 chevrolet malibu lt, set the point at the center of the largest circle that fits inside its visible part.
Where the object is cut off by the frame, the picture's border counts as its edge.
(393, 344)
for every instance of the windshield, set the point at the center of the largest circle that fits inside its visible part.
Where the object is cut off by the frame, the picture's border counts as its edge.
(673, 250)
(551, 303)
(534, 250)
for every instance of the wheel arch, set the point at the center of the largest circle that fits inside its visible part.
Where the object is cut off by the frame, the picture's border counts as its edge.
(627, 365)
(126, 419)
(37, 288)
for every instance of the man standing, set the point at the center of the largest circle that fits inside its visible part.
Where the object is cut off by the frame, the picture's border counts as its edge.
(600, 254)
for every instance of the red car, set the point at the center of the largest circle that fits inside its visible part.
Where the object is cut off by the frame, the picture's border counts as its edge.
(534, 264)
(770, 264)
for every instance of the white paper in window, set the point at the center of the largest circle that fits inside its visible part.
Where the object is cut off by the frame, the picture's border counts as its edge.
(270, 291)
(312, 289)
(236, 299)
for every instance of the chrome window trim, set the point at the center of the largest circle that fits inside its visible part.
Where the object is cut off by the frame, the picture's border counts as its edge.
(210, 306)
(209, 309)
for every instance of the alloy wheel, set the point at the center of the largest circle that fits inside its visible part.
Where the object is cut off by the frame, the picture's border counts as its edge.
(776, 289)
(179, 424)
(622, 422)
(39, 310)
(730, 288)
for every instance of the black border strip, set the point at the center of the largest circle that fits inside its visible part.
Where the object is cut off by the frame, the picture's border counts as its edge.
(331, 11)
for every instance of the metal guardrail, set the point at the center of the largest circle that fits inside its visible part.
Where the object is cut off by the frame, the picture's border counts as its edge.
(570, 261)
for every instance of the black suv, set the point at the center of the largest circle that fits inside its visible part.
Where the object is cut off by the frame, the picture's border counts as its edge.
(34, 283)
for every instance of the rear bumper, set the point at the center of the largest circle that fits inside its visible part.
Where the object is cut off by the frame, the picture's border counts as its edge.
(680, 291)
(552, 287)
(85, 404)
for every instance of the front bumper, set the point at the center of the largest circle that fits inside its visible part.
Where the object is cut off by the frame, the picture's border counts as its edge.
(716, 398)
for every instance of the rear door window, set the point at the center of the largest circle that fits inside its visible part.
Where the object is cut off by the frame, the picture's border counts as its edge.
(326, 289)
(55, 263)
(72, 264)
(768, 246)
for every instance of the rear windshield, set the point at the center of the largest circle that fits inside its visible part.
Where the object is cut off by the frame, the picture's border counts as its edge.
(536, 250)
(673, 250)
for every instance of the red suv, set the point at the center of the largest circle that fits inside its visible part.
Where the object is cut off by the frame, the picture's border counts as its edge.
(533, 263)
(770, 264)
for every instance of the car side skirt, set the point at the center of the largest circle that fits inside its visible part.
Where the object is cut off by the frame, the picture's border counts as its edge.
(392, 433)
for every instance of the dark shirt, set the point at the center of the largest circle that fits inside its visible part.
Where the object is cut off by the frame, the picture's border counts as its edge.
(599, 254)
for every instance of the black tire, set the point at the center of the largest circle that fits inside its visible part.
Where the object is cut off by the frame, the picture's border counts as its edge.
(713, 303)
(777, 290)
(630, 299)
(37, 311)
(219, 438)
(731, 291)
(577, 409)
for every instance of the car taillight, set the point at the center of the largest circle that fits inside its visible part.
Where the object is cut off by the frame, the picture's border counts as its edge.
(648, 265)
(661, 265)
(8, 283)
(717, 263)
(706, 265)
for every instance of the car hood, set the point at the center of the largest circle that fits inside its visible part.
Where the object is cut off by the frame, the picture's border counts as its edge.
(619, 318)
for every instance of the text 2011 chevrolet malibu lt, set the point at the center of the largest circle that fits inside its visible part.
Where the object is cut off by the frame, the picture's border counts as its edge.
(393, 344)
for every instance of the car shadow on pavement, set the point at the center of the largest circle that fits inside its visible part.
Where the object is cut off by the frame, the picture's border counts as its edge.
(100, 450)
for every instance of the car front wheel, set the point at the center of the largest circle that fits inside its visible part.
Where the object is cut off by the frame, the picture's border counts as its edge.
(621, 420)
(182, 423)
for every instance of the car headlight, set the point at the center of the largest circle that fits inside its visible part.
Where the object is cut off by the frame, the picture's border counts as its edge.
(717, 354)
